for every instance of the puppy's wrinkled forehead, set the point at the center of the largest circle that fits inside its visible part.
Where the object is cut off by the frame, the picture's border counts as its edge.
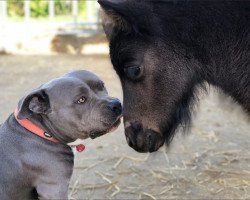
(74, 84)
(66, 88)
(89, 78)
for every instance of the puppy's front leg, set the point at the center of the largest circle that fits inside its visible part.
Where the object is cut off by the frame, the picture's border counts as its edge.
(53, 191)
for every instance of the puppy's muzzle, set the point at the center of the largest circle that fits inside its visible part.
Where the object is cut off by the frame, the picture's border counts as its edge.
(113, 118)
(115, 106)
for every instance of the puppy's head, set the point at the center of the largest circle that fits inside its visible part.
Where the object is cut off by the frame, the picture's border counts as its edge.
(76, 105)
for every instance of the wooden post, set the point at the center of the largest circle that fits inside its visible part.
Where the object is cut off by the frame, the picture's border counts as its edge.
(98, 18)
(27, 9)
(51, 9)
(96, 6)
(3, 16)
(3, 6)
(89, 11)
(75, 11)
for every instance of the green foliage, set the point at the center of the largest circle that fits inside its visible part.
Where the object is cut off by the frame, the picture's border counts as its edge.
(62, 7)
(82, 7)
(40, 8)
(15, 8)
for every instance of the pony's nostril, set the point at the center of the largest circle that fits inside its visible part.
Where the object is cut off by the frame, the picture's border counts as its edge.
(136, 127)
(151, 145)
(150, 139)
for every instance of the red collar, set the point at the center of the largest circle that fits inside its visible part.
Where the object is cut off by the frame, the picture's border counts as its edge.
(40, 132)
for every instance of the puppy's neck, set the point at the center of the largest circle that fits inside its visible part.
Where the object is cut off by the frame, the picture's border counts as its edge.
(41, 126)
(54, 132)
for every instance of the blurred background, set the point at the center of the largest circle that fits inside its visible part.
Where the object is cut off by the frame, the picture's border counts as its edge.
(47, 27)
(41, 40)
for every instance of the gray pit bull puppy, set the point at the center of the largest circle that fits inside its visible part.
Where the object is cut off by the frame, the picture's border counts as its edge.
(74, 106)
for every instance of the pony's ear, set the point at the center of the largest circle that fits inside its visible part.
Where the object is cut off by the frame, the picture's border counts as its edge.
(115, 15)
(37, 102)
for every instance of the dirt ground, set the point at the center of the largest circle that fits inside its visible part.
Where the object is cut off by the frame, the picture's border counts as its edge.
(211, 162)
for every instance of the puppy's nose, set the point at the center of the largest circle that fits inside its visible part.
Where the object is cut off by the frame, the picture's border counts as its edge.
(115, 106)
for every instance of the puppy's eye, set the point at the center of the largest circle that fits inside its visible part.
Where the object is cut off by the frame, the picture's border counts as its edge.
(81, 100)
(133, 72)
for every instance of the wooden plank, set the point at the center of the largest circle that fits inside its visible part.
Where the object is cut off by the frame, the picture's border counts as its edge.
(3, 5)
(51, 9)
(27, 10)
(89, 5)
(75, 11)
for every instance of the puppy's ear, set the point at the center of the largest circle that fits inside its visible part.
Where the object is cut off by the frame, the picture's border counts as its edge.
(115, 15)
(36, 102)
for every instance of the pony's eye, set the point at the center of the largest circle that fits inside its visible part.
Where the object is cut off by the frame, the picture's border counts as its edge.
(81, 100)
(133, 72)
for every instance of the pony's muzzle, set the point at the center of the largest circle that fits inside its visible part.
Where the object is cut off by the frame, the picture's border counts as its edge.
(143, 140)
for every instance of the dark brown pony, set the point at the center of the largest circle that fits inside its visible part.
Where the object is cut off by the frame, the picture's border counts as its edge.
(163, 51)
